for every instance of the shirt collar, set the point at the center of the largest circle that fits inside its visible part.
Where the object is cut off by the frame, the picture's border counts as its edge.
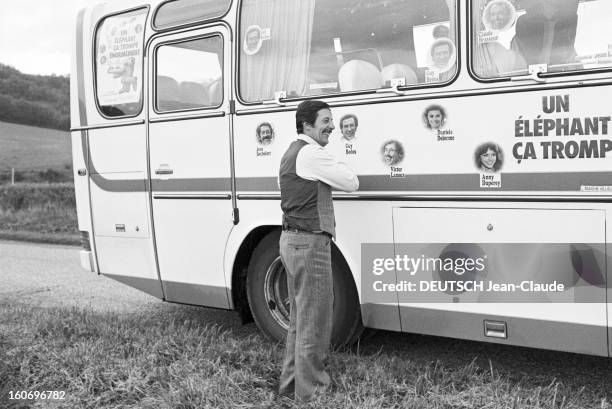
(307, 139)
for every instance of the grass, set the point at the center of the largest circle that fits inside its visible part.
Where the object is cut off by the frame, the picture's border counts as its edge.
(39, 212)
(175, 359)
(31, 148)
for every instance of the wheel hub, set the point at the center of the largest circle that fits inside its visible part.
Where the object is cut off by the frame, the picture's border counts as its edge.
(276, 293)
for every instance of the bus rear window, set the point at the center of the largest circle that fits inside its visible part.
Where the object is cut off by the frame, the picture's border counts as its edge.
(309, 47)
(558, 35)
(119, 63)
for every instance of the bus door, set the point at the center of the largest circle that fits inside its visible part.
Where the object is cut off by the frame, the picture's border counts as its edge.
(189, 159)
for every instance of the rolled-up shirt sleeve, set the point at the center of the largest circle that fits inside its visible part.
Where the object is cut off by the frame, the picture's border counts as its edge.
(315, 163)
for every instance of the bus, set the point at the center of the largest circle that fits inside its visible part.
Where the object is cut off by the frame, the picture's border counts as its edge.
(479, 131)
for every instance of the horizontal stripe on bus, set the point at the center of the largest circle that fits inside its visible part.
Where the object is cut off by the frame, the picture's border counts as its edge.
(192, 185)
(513, 182)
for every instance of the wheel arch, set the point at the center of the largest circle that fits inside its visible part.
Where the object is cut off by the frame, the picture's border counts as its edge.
(240, 267)
(241, 264)
(339, 249)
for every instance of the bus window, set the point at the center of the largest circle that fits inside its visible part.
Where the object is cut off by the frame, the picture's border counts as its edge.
(563, 35)
(189, 75)
(119, 45)
(321, 47)
(177, 13)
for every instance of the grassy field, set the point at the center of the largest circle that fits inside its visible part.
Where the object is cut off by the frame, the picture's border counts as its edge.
(172, 358)
(36, 211)
(39, 212)
(28, 147)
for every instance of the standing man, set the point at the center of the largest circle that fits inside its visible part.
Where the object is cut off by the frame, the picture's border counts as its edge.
(307, 174)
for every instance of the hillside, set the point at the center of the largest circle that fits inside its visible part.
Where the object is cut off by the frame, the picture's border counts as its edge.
(37, 100)
(30, 148)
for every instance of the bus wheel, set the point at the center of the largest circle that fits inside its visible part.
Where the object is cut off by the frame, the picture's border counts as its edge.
(269, 298)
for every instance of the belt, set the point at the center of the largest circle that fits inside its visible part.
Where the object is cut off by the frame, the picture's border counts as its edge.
(294, 229)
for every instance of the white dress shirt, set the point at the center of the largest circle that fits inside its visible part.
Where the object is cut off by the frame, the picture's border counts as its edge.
(315, 163)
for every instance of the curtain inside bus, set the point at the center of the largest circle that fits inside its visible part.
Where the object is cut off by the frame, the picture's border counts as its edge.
(282, 62)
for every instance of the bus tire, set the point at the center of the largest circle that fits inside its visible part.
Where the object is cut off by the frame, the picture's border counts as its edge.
(267, 287)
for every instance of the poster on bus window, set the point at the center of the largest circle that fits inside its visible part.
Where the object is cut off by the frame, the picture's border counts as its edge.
(119, 60)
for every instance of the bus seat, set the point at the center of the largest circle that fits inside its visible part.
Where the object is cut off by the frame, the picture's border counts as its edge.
(393, 71)
(359, 75)
(193, 94)
(167, 93)
(215, 92)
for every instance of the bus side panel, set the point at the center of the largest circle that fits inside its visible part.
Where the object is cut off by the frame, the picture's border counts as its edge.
(540, 245)
(359, 222)
(120, 207)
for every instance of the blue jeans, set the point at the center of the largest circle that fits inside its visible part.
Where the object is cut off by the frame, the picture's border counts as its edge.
(307, 260)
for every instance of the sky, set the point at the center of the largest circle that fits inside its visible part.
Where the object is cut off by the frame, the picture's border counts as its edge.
(36, 35)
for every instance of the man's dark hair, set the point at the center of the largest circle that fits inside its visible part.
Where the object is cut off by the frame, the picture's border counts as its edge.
(349, 116)
(307, 113)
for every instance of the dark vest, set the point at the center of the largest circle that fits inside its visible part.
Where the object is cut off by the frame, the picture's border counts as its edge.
(306, 204)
